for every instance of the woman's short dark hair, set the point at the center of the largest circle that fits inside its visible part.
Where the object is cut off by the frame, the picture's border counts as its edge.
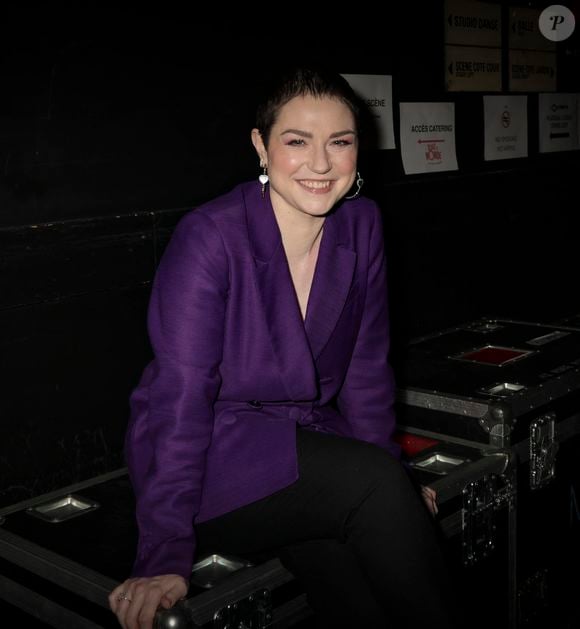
(304, 82)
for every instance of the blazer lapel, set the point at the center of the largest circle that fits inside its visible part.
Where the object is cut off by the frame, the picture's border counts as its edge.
(330, 287)
(279, 302)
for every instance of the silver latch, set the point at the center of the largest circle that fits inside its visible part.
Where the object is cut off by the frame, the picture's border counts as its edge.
(252, 612)
(481, 499)
(543, 449)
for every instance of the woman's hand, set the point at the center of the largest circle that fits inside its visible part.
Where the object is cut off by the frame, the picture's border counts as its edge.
(135, 601)
(430, 498)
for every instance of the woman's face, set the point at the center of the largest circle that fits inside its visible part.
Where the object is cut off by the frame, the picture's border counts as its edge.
(311, 155)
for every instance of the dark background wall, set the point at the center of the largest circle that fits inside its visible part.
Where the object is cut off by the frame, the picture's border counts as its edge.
(113, 123)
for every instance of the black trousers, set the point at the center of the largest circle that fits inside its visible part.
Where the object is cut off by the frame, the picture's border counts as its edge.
(354, 530)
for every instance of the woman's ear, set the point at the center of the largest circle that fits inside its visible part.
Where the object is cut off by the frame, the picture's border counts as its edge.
(258, 143)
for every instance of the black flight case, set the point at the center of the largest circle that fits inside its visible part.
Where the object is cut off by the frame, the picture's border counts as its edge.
(63, 552)
(512, 386)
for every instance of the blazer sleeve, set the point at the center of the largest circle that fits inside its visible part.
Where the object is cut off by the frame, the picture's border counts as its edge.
(173, 406)
(367, 396)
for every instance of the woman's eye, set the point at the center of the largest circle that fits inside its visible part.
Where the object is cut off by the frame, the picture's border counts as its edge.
(342, 143)
(296, 142)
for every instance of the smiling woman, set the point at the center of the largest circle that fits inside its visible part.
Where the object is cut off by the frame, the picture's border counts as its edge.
(265, 421)
(311, 158)
(311, 155)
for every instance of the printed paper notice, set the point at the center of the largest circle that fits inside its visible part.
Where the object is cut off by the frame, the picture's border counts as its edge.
(558, 115)
(427, 137)
(506, 127)
(376, 90)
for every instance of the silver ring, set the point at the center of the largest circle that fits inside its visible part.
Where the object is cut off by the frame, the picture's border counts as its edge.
(123, 597)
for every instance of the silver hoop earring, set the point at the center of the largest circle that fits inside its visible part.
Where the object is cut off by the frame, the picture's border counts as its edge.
(359, 184)
(263, 179)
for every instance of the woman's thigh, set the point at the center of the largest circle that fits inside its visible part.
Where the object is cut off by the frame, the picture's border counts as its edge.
(336, 475)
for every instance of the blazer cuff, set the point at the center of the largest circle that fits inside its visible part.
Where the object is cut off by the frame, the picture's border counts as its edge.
(168, 557)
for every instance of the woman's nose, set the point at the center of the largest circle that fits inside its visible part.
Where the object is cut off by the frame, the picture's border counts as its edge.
(320, 161)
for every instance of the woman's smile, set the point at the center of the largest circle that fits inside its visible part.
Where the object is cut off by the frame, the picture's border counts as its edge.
(315, 186)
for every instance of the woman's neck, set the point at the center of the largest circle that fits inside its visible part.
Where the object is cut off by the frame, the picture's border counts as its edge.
(301, 233)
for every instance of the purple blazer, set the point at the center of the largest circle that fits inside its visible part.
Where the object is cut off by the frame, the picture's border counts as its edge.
(213, 422)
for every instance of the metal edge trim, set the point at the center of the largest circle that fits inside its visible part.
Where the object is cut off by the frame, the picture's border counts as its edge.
(69, 489)
(453, 484)
(40, 607)
(57, 569)
(435, 401)
(270, 574)
(489, 319)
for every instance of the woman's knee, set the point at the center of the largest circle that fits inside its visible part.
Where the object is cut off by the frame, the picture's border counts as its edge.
(339, 474)
(362, 469)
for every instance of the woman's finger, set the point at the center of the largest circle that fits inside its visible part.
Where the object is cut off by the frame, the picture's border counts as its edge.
(177, 591)
(136, 601)
(430, 498)
(145, 606)
(119, 595)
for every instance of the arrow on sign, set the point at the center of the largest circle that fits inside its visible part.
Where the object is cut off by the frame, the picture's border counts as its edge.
(557, 136)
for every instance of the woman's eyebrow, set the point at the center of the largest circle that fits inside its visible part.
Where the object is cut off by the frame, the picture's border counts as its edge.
(337, 134)
(306, 134)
